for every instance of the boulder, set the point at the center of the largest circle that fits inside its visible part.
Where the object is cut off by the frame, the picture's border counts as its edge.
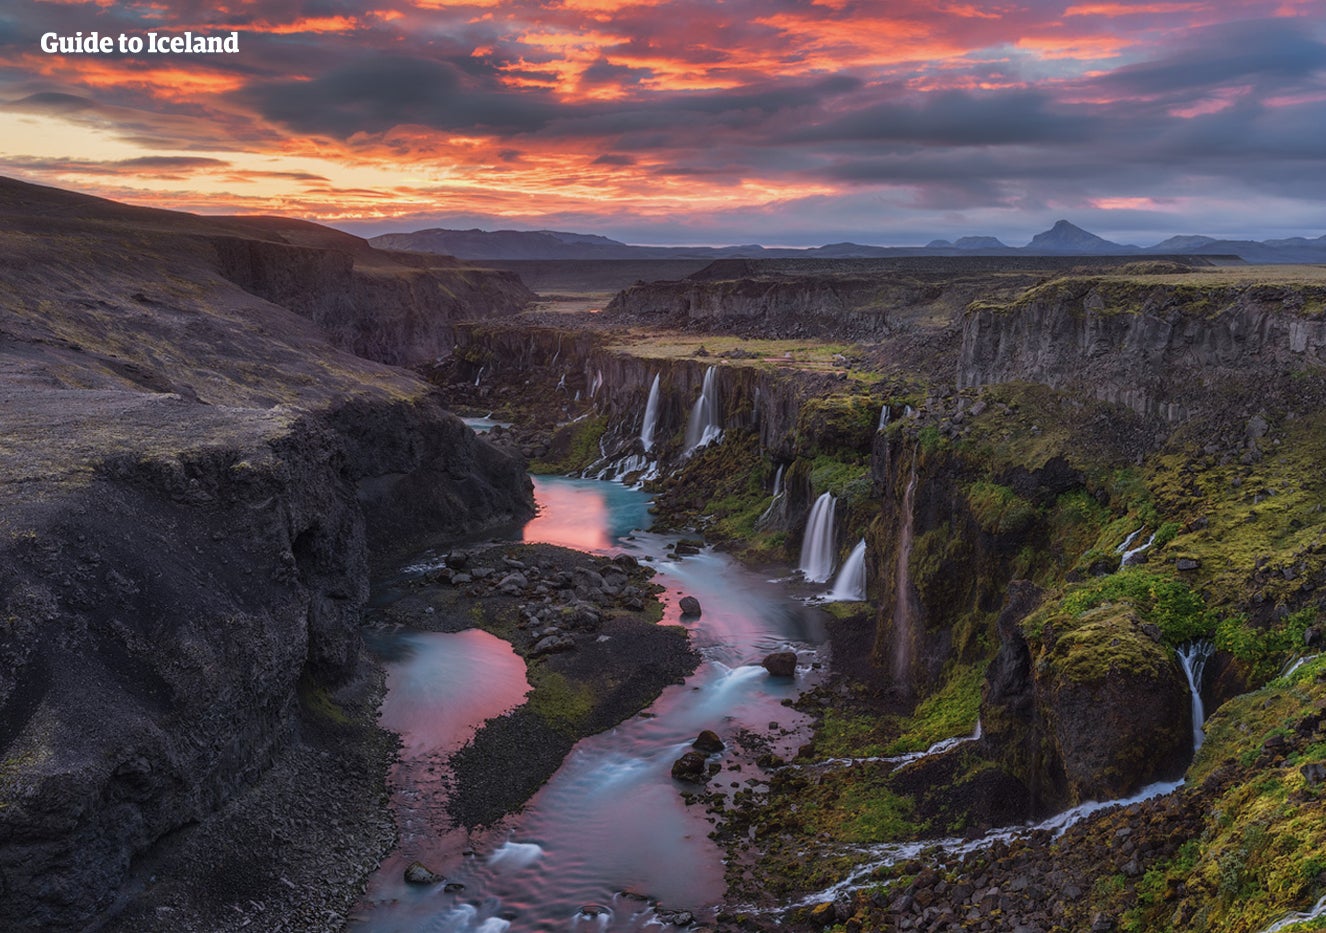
(418, 873)
(781, 664)
(708, 742)
(690, 767)
(690, 606)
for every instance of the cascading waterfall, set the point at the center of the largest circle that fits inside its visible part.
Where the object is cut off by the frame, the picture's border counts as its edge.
(850, 584)
(778, 480)
(1299, 916)
(776, 501)
(904, 599)
(478, 376)
(704, 426)
(883, 417)
(1192, 658)
(817, 544)
(1130, 555)
(596, 384)
(651, 418)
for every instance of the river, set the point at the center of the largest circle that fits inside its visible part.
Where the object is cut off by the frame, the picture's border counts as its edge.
(610, 830)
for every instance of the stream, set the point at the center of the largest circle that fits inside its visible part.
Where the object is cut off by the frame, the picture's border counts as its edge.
(608, 843)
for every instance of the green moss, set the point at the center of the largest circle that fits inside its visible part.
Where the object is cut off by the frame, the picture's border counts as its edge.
(574, 446)
(317, 701)
(1264, 649)
(848, 481)
(1163, 601)
(998, 509)
(950, 711)
(562, 704)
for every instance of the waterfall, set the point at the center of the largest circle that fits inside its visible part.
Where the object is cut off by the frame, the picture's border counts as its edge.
(778, 480)
(704, 426)
(561, 383)
(774, 503)
(883, 417)
(1128, 541)
(850, 584)
(1128, 555)
(1192, 658)
(1298, 916)
(908, 411)
(817, 545)
(596, 384)
(479, 376)
(904, 597)
(651, 418)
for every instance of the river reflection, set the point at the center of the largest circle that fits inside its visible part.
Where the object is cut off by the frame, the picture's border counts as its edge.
(610, 828)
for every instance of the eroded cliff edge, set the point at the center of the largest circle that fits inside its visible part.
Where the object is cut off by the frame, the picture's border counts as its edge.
(195, 479)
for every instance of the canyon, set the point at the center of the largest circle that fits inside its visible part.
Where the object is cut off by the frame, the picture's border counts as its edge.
(1055, 483)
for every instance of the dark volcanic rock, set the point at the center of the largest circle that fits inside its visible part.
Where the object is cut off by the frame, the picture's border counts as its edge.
(689, 605)
(708, 742)
(690, 767)
(781, 664)
(194, 482)
(417, 873)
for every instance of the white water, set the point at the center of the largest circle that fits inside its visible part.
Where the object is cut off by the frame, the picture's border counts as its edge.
(1127, 542)
(1295, 664)
(904, 596)
(817, 556)
(704, 427)
(1288, 920)
(850, 584)
(938, 748)
(890, 853)
(1192, 658)
(883, 417)
(1129, 555)
(596, 384)
(651, 418)
(778, 481)
(479, 375)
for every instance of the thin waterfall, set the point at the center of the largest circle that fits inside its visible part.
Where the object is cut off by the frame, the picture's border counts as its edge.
(1192, 658)
(850, 584)
(704, 426)
(777, 499)
(1130, 555)
(904, 599)
(883, 417)
(651, 418)
(478, 376)
(817, 544)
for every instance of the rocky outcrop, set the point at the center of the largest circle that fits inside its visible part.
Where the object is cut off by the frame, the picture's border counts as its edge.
(194, 481)
(1092, 709)
(853, 300)
(1164, 350)
(393, 308)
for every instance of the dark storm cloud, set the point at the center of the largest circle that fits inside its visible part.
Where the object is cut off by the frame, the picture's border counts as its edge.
(1271, 52)
(375, 94)
(956, 118)
(614, 159)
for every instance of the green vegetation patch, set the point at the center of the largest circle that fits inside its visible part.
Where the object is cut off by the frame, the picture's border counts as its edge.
(998, 509)
(1163, 601)
(574, 446)
(949, 712)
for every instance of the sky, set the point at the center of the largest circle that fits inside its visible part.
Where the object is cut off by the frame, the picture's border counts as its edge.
(781, 122)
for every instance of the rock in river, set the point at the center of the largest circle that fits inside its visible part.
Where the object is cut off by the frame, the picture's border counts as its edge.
(781, 664)
(708, 742)
(690, 767)
(418, 873)
(690, 606)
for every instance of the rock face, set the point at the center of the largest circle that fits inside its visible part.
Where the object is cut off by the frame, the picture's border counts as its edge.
(1092, 712)
(1112, 338)
(193, 486)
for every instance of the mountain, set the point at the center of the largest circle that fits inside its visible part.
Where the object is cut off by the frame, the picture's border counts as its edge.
(1062, 239)
(979, 242)
(1065, 237)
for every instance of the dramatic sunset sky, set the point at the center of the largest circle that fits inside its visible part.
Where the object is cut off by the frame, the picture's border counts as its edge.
(783, 122)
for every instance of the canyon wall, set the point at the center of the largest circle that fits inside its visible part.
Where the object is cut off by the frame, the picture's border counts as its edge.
(195, 481)
(1163, 350)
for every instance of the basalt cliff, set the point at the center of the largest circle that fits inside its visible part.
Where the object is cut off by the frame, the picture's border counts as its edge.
(203, 451)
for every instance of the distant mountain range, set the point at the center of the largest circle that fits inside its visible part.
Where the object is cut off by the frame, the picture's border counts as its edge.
(1063, 239)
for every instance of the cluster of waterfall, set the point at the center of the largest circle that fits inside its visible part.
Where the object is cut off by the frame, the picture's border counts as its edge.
(623, 458)
(817, 545)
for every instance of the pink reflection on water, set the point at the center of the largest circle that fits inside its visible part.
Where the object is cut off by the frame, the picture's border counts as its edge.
(570, 517)
(448, 686)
